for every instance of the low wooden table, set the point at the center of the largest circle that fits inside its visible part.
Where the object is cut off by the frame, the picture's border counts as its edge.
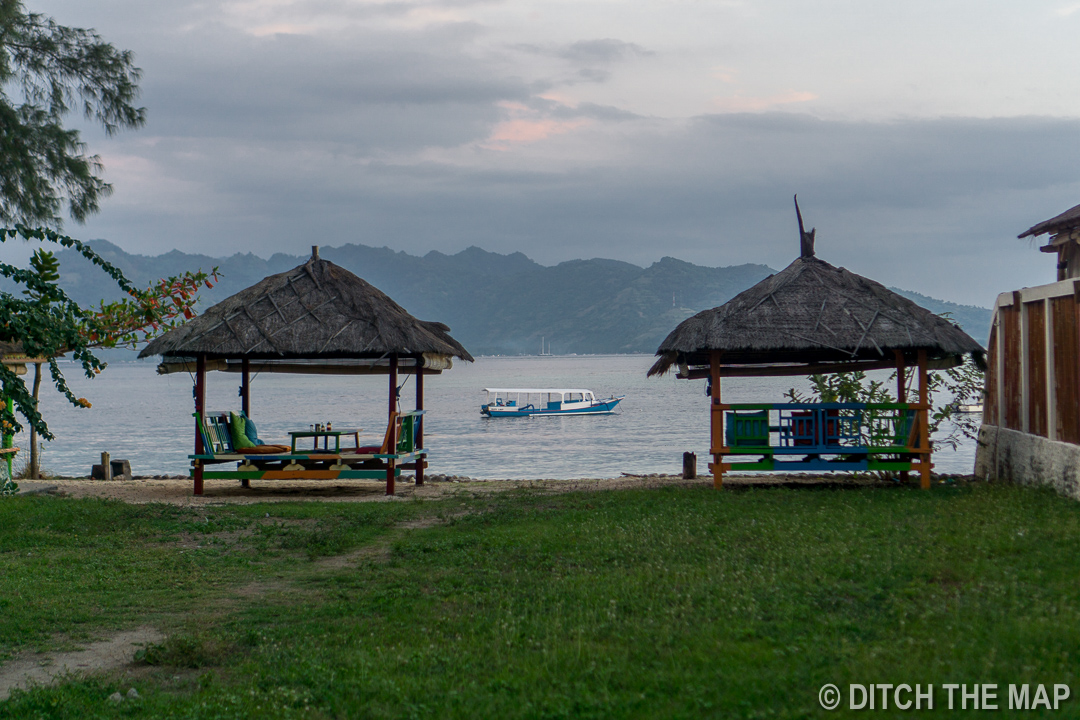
(326, 435)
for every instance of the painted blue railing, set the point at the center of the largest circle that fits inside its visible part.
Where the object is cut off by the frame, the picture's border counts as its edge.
(854, 436)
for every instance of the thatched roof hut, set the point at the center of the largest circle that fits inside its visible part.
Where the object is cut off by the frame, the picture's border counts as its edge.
(812, 313)
(317, 311)
(814, 318)
(316, 318)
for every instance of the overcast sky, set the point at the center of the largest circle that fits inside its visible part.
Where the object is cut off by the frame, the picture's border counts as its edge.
(922, 136)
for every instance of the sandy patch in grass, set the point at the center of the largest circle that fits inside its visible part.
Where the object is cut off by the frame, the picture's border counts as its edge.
(110, 654)
(228, 492)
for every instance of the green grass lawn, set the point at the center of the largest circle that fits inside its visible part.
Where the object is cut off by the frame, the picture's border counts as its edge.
(638, 603)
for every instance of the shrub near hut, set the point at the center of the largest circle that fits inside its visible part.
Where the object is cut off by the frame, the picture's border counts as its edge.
(961, 384)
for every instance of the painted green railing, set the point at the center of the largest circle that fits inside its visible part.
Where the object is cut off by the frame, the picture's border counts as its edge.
(827, 436)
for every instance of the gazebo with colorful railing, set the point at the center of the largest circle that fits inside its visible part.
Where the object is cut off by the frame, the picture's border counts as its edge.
(319, 319)
(814, 318)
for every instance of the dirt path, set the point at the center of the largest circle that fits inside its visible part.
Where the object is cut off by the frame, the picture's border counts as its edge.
(117, 652)
(112, 653)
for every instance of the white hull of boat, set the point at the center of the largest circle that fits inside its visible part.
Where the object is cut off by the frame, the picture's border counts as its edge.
(518, 403)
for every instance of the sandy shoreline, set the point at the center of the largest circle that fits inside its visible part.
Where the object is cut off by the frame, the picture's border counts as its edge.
(178, 490)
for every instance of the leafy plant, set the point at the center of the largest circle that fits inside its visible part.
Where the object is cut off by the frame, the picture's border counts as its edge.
(48, 324)
(47, 266)
(876, 426)
(960, 385)
(184, 651)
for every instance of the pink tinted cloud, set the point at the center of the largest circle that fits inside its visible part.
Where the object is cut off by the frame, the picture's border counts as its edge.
(282, 29)
(527, 126)
(743, 103)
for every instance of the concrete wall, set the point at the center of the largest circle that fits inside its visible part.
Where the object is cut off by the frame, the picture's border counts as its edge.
(1019, 457)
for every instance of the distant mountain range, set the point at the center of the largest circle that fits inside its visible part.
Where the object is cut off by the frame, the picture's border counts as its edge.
(494, 304)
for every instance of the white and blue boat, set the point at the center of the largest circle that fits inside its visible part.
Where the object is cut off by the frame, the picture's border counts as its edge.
(526, 402)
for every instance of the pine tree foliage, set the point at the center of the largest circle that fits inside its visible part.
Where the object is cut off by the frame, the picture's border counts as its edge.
(46, 72)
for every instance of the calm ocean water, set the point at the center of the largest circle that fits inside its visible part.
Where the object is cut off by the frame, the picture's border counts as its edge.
(146, 418)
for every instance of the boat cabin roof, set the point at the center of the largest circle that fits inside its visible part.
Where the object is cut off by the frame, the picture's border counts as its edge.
(561, 391)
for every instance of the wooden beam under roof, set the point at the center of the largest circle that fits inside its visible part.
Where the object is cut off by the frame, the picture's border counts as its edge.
(432, 365)
(701, 373)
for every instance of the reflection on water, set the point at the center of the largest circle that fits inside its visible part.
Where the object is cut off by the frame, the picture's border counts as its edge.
(146, 418)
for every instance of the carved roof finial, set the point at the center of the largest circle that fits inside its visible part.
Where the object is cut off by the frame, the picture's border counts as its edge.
(806, 239)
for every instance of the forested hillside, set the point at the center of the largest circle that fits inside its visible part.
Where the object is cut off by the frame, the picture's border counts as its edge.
(496, 304)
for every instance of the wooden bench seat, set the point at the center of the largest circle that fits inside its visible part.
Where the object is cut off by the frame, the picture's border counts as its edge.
(827, 436)
(372, 462)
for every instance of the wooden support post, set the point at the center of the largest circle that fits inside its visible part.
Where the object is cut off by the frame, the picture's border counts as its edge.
(689, 466)
(106, 466)
(901, 393)
(420, 419)
(200, 409)
(716, 421)
(245, 387)
(391, 430)
(924, 423)
(901, 377)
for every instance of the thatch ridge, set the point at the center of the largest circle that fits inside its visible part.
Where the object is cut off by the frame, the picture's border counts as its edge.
(316, 310)
(812, 312)
(1069, 218)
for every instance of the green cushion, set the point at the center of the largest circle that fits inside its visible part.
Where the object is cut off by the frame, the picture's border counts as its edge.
(236, 430)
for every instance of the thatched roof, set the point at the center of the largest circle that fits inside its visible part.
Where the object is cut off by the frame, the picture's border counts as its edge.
(812, 312)
(1068, 219)
(9, 348)
(317, 310)
(13, 353)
